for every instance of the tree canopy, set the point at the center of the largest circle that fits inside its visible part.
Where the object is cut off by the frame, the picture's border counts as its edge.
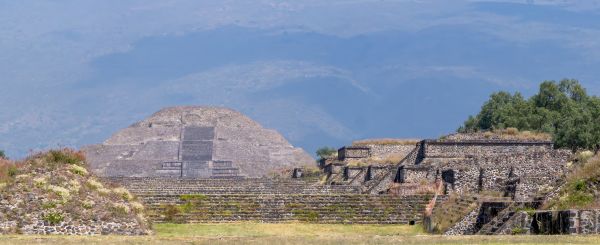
(562, 109)
(325, 152)
(2, 155)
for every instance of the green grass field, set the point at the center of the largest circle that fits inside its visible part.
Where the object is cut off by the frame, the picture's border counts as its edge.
(294, 233)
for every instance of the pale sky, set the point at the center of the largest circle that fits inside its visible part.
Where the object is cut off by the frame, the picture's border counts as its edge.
(320, 72)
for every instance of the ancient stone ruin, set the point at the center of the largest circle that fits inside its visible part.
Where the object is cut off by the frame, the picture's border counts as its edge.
(202, 164)
(194, 142)
(515, 168)
(493, 185)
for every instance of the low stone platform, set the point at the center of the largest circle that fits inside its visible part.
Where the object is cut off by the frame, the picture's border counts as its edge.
(268, 200)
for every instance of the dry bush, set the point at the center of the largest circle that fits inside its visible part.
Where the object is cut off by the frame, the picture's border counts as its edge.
(386, 141)
(66, 155)
(513, 133)
(8, 170)
(589, 171)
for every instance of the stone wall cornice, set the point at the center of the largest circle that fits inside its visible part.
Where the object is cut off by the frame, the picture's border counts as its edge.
(487, 142)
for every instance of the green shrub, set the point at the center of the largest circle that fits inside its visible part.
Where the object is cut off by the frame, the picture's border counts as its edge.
(187, 207)
(49, 205)
(2, 154)
(579, 185)
(306, 215)
(78, 170)
(170, 212)
(60, 191)
(326, 152)
(88, 204)
(54, 218)
(40, 182)
(530, 211)
(518, 231)
(12, 171)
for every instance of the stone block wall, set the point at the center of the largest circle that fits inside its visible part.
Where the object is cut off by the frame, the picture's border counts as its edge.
(517, 169)
(467, 225)
(389, 149)
(546, 222)
(449, 149)
(353, 152)
(68, 228)
(415, 174)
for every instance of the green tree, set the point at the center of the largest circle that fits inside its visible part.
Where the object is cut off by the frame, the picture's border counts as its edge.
(563, 109)
(2, 154)
(325, 152)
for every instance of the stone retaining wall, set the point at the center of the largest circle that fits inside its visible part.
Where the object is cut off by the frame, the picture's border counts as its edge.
(435, 148)
(269, 200)
(69, 228)
(586, 221)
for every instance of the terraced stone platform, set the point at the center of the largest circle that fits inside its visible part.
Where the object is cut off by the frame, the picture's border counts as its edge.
(195, 142)
(269, 200)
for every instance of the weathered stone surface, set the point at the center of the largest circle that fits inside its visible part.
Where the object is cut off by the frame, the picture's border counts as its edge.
(54, 194)
(194, 142)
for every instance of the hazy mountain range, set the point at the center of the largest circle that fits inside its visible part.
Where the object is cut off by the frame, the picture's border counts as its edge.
(320, 72)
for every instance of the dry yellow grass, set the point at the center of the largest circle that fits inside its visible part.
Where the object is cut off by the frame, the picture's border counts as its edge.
(386, 141)
(514, 133)
(294, 233)
(389, 159)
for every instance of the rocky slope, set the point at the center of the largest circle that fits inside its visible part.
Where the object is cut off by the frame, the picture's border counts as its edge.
(195, 142)
(53, 193)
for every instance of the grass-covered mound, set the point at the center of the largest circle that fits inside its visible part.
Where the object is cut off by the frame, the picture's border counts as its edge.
(582, 187)
(53, 193)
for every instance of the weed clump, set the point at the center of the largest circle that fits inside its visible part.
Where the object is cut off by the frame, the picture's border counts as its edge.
(54, 218)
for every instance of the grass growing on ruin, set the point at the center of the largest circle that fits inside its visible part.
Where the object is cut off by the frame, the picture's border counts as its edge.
(503, 134)
(293, 233)
(581, 185)
(389, 159)
(386, 141)
(450, 212)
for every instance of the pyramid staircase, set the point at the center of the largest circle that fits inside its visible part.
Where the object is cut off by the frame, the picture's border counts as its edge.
(269, 200)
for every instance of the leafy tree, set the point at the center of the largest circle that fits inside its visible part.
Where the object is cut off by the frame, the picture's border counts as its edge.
(563, 109)
(2, 155)
(325, 152)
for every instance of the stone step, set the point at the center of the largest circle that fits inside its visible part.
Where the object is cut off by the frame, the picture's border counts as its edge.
(270, 200)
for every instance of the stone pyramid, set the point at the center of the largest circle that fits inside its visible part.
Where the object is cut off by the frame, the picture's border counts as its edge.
(195, 142)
